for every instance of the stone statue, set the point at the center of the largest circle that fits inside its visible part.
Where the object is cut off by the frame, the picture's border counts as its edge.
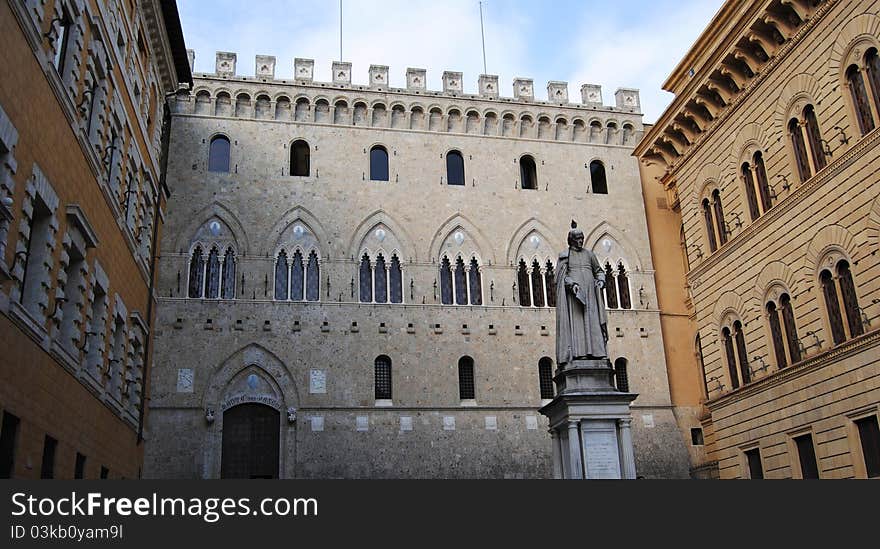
(581, 322)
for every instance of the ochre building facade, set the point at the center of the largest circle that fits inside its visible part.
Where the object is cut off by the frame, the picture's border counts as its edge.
(769, 155)
(81, 118)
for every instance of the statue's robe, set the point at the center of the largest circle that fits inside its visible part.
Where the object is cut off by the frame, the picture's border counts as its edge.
(581, 322)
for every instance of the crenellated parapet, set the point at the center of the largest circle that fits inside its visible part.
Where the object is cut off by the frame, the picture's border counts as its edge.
(264, 96)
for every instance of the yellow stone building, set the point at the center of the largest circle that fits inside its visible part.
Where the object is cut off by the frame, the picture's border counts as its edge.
(761, 183)
(81, 200)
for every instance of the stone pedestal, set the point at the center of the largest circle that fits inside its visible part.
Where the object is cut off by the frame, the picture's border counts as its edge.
(590, 423)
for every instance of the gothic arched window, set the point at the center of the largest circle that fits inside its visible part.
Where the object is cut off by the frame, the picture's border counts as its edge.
(297, 277)
(859, 93)
(610, 287)
(454, 168)
(460, 282)
(623, 287)
(228, 283)
(537, 284)
(445, 281)
(620, 376)
(466, 378)
(528, 173)
(299, 159)
(212, 290)
(313, 278)
(522, 278)
(218, 154)
(395, 276)
(475, 282)
(598, 180)
(741, 352)
(380, 281)
(196, 273)
(545, 377)
(550, 284)
(383, 377)
(282, 272)
(727, 342)
(776, 335)
(378, 163)
(832, 306)
(366, 280)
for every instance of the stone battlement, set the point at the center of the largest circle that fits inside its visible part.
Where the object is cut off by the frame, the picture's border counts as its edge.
(626, 99)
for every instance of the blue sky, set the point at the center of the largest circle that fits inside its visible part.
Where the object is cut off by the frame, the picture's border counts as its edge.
(612, 43)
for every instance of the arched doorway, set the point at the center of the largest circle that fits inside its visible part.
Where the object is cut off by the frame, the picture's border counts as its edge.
(250, 442)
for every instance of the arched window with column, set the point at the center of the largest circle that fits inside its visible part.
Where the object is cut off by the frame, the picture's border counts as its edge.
(218, 154)
(299, 159)
(550, 284)
(832, 306)
(814, 138)
(719, 217)
(710, 226)
(537, 285)
(380, 280)
(788, 323)
(751, 196)
(799, 149)
(212, 286)
(445, 281)
(454, 168)
(850, 299)
(522, 279)
(297, 277)
(741, 352)
(378, 163)
(872, 68)
(859, 94)
(730, 356)
(545, 378)
(282, 272)
(366, 280)
(528, 172)
(841, 302)
(382, 377)
(734, 345)
(623, 287)
(776, 334)
(460, 281)
(610, 287)
(475, 283)
(395, 280)
(313, 278)
(762, 181)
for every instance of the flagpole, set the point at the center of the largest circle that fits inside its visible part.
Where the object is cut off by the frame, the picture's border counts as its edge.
(483, 37)
(340, 30)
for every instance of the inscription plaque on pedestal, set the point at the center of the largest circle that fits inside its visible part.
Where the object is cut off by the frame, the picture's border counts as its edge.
(601, 455)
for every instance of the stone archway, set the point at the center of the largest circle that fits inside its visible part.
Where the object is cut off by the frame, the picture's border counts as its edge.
(251, 442)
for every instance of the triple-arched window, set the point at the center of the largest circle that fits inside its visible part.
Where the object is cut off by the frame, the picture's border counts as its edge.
(617, 295)
(598, 180)
(537, 284)
(863, 81)
(454, 168)
(460, 283)
(212, 277)
(734, 344)
(218, 154)
(783, 331)
(841, 302)
(378, 163)
(380, 281)
(806, 143)
(755, 180)
(297, 277)
(528, 172)
(299, 159)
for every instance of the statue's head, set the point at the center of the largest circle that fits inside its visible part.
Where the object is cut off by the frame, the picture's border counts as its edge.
(575, 237)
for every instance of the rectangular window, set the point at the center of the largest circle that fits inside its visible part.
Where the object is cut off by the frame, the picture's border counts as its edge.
(37, 254)
(697, 436)
(47, 469)
(753, 457)
(807, 456)
(80, 466)
(104, 472)
(62, 39)
(8, 436)
(869, 435)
